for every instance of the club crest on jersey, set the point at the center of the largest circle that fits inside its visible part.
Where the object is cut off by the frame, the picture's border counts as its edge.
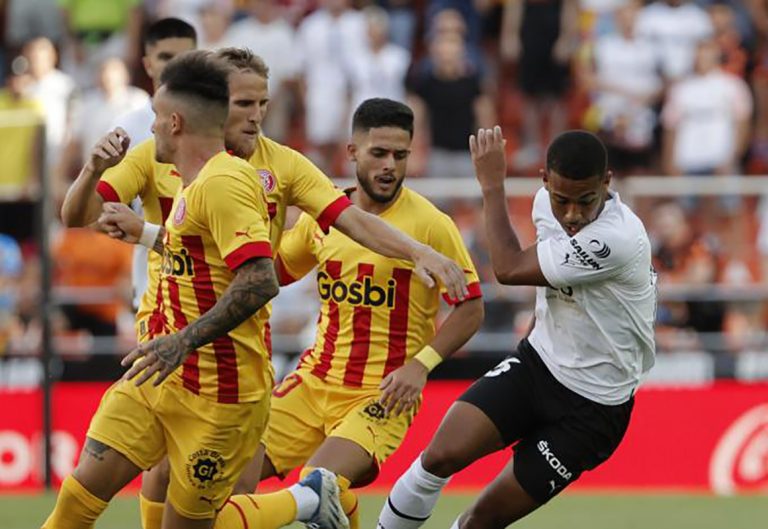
(267, 180)
(181, 212)
(204, 468)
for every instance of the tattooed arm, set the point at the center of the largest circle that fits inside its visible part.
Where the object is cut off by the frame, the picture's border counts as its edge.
(253, 286)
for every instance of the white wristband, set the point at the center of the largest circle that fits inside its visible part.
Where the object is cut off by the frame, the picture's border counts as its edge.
(149, 235)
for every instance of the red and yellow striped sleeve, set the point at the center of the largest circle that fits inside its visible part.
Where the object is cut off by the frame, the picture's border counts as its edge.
(235, 211)
(295, 257)
(313, 192)
(444, 237)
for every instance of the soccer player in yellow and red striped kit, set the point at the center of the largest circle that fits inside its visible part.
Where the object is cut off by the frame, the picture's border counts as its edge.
(209, 402)
(348, 405)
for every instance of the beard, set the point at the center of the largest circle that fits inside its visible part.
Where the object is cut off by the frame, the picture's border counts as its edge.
(378, 197)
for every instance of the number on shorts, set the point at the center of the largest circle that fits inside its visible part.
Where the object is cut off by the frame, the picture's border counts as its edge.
(287, 385)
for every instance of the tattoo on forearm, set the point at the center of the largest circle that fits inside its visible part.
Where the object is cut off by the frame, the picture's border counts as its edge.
(254, 285)
(95, 449)
(158, 247)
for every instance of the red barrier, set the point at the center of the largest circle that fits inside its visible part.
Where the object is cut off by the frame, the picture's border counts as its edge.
(711, 438)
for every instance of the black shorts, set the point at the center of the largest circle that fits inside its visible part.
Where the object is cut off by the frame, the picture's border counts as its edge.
(559, 434)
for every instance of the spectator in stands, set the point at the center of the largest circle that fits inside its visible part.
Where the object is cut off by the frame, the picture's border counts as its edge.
(29, 19)
(541, 36)
(20, 142)
(683, 257)
(621, 76)
(97, 30)
(215, 20)
(270, 37)
(53, 89)
(450, 105)
(402, 25)
(94, 113)
(759, 12)
(326, 40)
(380, 69)
(87, 258)
(726, 33)
(10, 273)
(674, 28)
(450, 21)
(706, 120)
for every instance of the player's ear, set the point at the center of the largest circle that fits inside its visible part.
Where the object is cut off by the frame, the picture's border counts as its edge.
(544, 178)
(607, 181)
(351, 152)
(176, 122)
(145, 64)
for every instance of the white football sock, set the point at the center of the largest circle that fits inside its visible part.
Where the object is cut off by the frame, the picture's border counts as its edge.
(412, 498)
(307, 501)
(455, 524)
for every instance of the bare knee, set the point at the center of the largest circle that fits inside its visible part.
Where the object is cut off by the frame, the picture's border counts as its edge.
(102, 470)
(443, 460)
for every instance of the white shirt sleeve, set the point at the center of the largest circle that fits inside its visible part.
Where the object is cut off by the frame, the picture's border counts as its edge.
(594, 254)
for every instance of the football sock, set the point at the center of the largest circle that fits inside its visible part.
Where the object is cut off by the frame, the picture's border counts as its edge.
(349, 502)
(455, 524)
(76, 508)
(257, 511)
(412, 499)
(307, 499)
(151, 513)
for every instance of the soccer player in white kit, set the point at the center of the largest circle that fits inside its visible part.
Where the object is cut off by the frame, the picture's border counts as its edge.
(565, 395)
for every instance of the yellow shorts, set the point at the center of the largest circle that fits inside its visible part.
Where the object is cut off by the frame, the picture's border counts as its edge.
(306, 410)
(208, 443)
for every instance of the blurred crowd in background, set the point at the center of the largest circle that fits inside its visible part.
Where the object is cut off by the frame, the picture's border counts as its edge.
(674, 87)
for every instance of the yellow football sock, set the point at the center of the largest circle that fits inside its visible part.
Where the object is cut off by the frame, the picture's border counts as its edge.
(348, 502)
(76, 508)
(151, 513)
(257, 511)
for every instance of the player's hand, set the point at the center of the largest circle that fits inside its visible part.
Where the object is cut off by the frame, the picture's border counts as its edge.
(431, 264)
(160, 356)
(121, 222)
(402, 387)
(109, 151)
(489, 158)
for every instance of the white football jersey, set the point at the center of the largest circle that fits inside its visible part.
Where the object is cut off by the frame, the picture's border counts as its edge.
(594, 326)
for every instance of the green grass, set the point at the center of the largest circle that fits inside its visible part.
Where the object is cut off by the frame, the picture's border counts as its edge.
(571, 511)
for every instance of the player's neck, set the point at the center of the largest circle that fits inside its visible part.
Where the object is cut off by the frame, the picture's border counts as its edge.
(194, 153)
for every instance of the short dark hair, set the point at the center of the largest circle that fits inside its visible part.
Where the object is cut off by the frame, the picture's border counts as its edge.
(198, 74)
(381, 112)
(577, 155)
(243, 59)
(168, 28)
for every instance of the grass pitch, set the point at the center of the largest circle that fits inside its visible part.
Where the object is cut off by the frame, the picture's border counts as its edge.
(571, 511)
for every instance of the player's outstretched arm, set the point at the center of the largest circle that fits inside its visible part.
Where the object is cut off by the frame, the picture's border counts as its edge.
(82, 204)
(253, 286)
(511, 264)
(402, 387)
(378, 236)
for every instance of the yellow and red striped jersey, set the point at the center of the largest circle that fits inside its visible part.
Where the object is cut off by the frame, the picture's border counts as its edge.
(376, 313)
(139, 175)
(289, 179)
(216, 224)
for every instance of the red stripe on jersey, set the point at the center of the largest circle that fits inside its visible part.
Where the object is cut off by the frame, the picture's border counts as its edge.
(361, 336)
(223, 346)
(190, 374)
(249, 250)
(157, 321)
(398, 321)
(283, 277)
(333, 268)
(166, 205)
(332, 212)
(474, 292)
(107, 192)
